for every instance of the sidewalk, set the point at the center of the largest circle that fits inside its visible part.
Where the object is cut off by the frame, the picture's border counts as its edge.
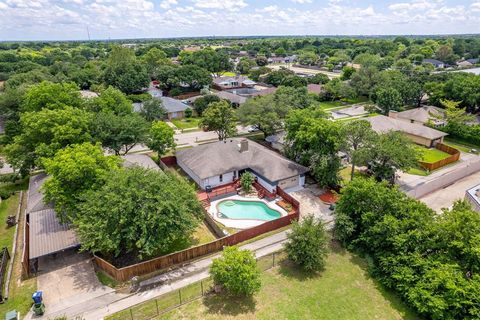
(176, 279)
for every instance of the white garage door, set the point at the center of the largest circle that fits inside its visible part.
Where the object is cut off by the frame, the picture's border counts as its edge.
(288, 183)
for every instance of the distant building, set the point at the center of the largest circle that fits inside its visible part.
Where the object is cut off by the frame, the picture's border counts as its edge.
(418, 133)
(421, 115)
(235, 99)
(226, 83)
(175, 108)
(87, 94)
(436, 63)
(472, 195)
(467, 63)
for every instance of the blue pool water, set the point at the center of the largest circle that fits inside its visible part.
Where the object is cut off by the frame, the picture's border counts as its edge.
(249, 210)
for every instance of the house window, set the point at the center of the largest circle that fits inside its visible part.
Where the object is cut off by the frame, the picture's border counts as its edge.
(221, 178)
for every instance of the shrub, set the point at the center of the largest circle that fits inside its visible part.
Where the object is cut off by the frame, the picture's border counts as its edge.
(5, 194)
(188, 113)
(246, 181)
(307, 244)
(236, 271)
(175, 92)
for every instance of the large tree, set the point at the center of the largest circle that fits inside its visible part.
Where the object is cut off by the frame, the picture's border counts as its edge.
(262, 113)
(389, 99)
(73, 171)
(390, 152)
(220, 117)
(153, 110)
(209, 59)
(124, 71)
(160, 138)
(119, 133)
(45, 132)
(111, 100)
(52, 96)
(357, 140)
(139, 212)
(202, 103)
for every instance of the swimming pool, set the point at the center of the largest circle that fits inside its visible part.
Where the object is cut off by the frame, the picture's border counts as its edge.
(248, 210)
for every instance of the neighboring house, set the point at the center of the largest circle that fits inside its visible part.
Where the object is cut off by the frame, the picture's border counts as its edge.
(235, 99)
(421, 115)
(418, 133)
(273, 60)
(139, 160)
(226, 83)
(467, 63)
(277, 140)
(314, 88)
(472, 195)
(175, 108)
(436, 63)
(219, 163)
(263, 91)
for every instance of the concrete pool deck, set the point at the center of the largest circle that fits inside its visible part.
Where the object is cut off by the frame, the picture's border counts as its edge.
(242, 223)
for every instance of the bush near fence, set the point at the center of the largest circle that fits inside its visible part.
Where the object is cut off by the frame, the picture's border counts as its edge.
(176, 258)
(454, 156)
(169, 301)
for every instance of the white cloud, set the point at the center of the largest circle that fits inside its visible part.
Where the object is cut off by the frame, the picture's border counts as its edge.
(302, 1)
(475, 7)
(229, 5)
(167, 4)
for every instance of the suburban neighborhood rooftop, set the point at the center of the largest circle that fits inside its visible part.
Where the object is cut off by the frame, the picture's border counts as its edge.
(383, 124)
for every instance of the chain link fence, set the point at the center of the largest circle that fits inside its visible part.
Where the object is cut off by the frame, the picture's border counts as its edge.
(169, 301)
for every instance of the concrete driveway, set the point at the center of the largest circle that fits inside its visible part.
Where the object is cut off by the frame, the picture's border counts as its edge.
(444, 198)
(68, 279)
(311, 204)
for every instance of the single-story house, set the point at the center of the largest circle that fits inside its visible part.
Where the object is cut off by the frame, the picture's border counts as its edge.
(175, 108)
(219, 163)
(436, 63)
(467, 63)
(418, 133)
(420, 115)
(139, 160)
(226, 83)
(235, 99)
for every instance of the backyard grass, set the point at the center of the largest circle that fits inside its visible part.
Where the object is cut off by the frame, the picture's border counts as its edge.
(7, 207)
(20, 293)
(202, 235)
(344, 290)
(330, 104)
(187, 123)
(461, 145)
(418, 172)
(228, 74)
(431, 155)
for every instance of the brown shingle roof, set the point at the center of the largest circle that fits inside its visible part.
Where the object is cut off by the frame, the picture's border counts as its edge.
(383, 124)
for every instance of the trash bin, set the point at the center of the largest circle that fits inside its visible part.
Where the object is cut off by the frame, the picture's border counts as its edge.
(38, 306)
(37, 297)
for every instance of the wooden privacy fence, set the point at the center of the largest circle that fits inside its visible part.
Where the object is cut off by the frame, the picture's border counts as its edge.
(454, 156)
(164, 262)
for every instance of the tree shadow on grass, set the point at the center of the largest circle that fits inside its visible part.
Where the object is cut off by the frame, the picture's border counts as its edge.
(226, 304)
(289, 269)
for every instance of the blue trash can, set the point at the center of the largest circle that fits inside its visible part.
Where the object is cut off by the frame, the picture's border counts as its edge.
(37, 297)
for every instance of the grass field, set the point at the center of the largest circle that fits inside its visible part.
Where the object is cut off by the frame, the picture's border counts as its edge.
(431, 155)
(344, 290)
(190, 123)
(20, 293)
(460, 145)
(228, 74)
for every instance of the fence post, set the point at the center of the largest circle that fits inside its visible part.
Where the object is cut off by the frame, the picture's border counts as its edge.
(201, 286)
(156, 303)
(180, 295)
(273, 263)
(131, 313)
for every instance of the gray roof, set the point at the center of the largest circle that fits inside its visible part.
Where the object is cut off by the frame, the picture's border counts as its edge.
(383, 124)
(232, 97)
(173, 105)
(47, 234)
(278, 137)
(140, 160)
(433, 61)
(239, 79)
(422, 114)
(217, 158)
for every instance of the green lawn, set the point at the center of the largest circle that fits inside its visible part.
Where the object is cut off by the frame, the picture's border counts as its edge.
(431, 155)
(330, 104)
(187, 123)
(20, 291)
(461, 145)
(344, 290)
(228, 74)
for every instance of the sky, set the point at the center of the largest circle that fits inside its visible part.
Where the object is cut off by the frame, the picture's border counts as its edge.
(69, 19)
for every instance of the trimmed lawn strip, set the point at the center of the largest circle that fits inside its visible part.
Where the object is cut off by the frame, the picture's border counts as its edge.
(461, 145)
(344, 290)
(187, 123)
(20, 295)
(8, 207)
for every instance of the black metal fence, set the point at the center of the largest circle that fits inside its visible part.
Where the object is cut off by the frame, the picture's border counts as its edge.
(169, 301)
